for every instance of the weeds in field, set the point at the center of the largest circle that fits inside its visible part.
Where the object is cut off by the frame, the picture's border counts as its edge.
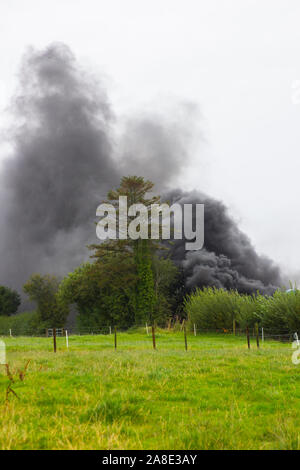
(12, 377)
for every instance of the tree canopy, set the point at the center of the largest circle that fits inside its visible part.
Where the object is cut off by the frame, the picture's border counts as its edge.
(127, 282)
(52, 310)
(9, 301)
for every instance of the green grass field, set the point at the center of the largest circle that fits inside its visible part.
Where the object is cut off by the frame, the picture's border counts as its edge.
(217, 395)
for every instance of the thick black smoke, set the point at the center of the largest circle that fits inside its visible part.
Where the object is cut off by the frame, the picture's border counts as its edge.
(228, 259)
(66, 157)
(61, 165)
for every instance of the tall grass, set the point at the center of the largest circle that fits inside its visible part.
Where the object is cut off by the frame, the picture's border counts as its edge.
(217, 395)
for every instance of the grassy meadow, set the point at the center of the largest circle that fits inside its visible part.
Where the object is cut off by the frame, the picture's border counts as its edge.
(217, 395)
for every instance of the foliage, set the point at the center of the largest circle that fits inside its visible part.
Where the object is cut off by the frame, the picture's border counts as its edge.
(52, 311)
(167, 289)
(103, 292)
(249, 310)
(128, 281)
(214, 308)
(22, 323)
(9, 301)
(145, 293)
(135, 188)
(282, 311)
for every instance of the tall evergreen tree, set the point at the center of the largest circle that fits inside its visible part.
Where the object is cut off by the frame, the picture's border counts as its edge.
(136, 188)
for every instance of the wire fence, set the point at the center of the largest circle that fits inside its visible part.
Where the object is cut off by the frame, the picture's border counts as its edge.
(84, 335)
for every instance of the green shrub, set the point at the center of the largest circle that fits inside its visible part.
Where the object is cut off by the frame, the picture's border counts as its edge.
(282, 311)
(212, 308)
(248, 310)
(20, 324)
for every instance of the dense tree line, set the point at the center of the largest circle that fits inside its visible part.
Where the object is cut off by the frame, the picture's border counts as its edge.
(130, 281)
(127, 282)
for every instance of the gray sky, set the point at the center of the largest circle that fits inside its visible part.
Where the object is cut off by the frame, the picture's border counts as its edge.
(237, 60)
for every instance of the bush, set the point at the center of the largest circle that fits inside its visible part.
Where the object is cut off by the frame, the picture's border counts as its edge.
(249, 310)
(282, 311)
(212, 308)
(21, 324)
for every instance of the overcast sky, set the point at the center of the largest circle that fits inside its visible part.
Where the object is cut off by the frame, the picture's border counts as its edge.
(238, 61)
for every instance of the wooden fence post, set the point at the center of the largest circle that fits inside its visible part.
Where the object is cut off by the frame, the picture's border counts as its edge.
(115, 337)
(233, 326)
(248, 337)
(257, 336)
(195, 331)
(153, 337)
(185, 338)
(54, 339)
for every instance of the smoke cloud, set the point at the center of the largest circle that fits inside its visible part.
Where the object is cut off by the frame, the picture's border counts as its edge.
(228, 258)
(62, 163)
(65, 158)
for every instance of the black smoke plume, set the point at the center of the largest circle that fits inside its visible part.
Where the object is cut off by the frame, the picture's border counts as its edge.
(61, 164)
(228, 259)
(66, 156)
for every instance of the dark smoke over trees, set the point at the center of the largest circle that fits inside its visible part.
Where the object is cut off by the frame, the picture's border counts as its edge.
(228, 259)
(66, 156)
(62, 162)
